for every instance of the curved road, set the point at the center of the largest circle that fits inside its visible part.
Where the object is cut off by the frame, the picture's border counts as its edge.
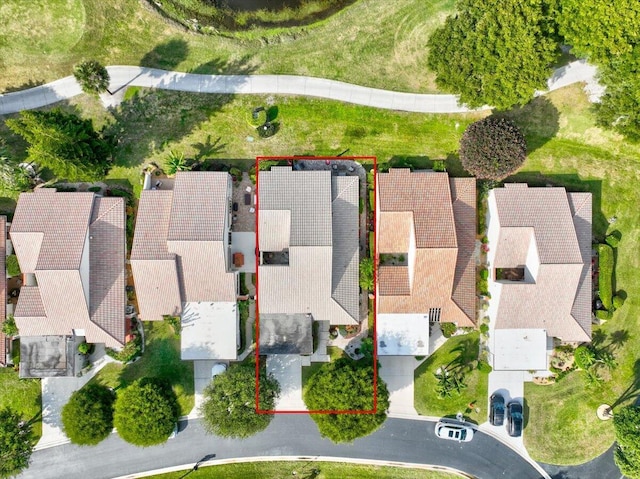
(121, 76)
(399, 440)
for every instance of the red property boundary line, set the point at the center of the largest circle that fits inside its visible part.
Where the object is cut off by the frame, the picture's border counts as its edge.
(375, 282)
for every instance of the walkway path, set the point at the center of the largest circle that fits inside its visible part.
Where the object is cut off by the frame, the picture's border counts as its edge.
(122, 76)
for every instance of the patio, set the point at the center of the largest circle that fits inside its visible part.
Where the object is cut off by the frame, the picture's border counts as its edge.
(244, 219)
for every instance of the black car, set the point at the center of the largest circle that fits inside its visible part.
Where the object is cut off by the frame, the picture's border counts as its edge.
(514, 418)
(496, 410)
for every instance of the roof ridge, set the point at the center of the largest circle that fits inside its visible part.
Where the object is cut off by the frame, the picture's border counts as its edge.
(353, 180)
(585, 196)
(114, 205)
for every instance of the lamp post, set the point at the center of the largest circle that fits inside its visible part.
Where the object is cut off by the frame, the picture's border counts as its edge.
(197, 465)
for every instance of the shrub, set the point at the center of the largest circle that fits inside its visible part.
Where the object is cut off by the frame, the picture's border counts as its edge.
(484, 328)
(372, 245)
(584, 357)
(439, 165)
(366, 274)
(604, 314)
(605, 280)
(175, 323)
(484, 367)
(612, 240)
(130, 351)
(618, 301)
(9, 326)
(146, 412)
(83, 348)
(492, 148)
(88, 416)
(448, 329)
(95, 189)
(484, 273)
(13, 268)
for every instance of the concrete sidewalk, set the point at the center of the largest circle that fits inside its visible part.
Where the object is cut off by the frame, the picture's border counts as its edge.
(124, 76)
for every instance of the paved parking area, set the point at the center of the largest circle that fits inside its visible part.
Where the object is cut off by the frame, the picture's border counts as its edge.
(397, 373)
(244, 219)
(287, 369)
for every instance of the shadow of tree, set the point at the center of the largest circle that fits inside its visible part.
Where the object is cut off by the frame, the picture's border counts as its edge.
(633, 390)
(24, 86)
(152, 118)
(208, 148)
(167, 55)
(538, 120)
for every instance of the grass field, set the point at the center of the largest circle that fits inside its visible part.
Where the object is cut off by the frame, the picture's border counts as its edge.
(305, 470)
(23, 396)
(372, 42)
(161, 359)
(465, 350)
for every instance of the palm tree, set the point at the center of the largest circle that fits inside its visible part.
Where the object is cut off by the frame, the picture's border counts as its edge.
(92, 77)
(176, 162)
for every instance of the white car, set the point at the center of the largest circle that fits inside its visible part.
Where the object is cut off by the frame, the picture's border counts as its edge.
(454, 432)
(218, 368)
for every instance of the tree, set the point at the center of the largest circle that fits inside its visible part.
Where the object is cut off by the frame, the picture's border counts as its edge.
(146, 412)
(495, 52)
(9, 326)
(366, 274)
(626, 423)
(64, 143)
(176, 162)
(13, 178)
(346, 385)
(229, 407)
(492, 148)
(92, 76)
(88, 416)
(15, 443)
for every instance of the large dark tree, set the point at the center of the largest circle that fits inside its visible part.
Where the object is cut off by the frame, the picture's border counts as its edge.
(495, 52)
(88, 416)
(492, 148)
(92, 76)
(146, 412)
(229, 408)
(626, 422)
(65, 143)
(15, 443)
(345, 385)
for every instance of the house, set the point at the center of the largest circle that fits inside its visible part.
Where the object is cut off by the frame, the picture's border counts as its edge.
(539, 272)
(426, 227)
(181, 262)
(307, 270)
(71, 250)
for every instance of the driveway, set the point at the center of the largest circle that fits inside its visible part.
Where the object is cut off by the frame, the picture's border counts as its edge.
(201, 378)
(397, 373)
(287, 369)
(510, 384)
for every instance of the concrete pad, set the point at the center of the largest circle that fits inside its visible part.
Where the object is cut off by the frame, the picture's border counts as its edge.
(201, 379)
(245, 243)
(509, 384)
(397, 373)
(287, 369)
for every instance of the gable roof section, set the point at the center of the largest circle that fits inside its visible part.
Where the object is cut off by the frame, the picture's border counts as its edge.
(322, 275)
(559, 298)
(53, 234)
(441, 270)
(275, 229)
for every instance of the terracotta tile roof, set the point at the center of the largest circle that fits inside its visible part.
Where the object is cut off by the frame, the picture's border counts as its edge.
(53, 234)
(322, 275)
(178, 252)
(557, 297)
(441, 270)
(394, 281)
(107, 252)
(513, 247)
(275, 229)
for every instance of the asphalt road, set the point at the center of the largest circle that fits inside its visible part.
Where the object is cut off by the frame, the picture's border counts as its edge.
(399, 440)
(602, 467)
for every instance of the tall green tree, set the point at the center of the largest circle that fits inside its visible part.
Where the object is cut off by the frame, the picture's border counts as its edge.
(346, 385)
(63, 142)
(88, 416)
(229, 407)
(92, 76)
(146, 412)
(626, 423)
(15, 443)
(13, 179)
(495, 52)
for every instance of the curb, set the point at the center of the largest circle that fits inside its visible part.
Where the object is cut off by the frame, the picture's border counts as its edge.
(372, 462)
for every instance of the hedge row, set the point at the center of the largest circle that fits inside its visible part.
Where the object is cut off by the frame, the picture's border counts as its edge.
(605, 281)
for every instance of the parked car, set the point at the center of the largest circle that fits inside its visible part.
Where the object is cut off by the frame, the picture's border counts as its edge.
(454, 432)
(514, 418)
(496, 410)
(218, 368)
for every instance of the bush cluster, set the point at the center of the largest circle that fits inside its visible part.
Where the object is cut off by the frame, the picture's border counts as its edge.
(605, 278)
(448, 329)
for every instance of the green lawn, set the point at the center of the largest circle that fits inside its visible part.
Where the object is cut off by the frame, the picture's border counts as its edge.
(23, 396)
(304, 470)
(461, 352)
(161, 359)
(372, 42)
